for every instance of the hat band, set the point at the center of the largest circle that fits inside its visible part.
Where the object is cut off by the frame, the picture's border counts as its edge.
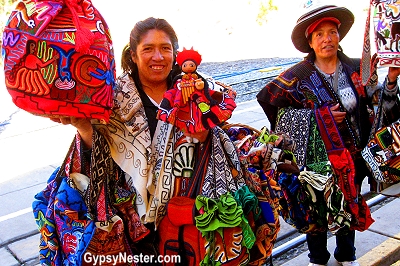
(314, 25)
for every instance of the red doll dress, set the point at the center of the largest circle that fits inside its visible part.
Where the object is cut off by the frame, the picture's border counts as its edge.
(193, 111)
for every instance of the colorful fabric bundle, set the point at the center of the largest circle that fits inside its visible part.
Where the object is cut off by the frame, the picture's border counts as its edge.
(75, 214)
(301, 206)
(382, 153)
(225, 229)
(63, 222)
(263, 155)
(59, 59)
(323, 194)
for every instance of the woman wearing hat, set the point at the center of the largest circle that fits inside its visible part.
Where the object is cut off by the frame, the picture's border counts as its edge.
(321, 102)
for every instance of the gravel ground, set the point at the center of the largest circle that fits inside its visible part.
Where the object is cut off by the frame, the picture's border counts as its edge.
(247, 77)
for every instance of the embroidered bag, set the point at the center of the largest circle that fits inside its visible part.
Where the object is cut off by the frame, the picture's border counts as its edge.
(382, 152)
(344, 170)
(59, 59)
(384, 16)
(385, 19)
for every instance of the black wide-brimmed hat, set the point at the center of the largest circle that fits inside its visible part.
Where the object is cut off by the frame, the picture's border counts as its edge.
(344, 15)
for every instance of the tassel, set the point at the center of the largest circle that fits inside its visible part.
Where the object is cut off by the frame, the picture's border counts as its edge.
(84, 38)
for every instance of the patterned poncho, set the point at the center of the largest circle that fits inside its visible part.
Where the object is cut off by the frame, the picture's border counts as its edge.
(297, 102)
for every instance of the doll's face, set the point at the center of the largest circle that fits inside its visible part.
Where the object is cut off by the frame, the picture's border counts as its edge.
(189, 66)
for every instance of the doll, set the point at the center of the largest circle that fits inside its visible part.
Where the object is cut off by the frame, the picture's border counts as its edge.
(190, 104)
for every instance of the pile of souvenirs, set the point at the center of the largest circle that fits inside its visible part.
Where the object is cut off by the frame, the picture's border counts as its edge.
(307, 199)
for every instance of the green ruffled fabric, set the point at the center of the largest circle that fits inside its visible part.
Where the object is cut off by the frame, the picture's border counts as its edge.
(228, 211)
(248, 201)
(216, 214)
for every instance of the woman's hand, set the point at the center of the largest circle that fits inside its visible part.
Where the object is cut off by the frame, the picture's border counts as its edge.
(338, 116)
(393, 73)
(200, 136)
(83, 126)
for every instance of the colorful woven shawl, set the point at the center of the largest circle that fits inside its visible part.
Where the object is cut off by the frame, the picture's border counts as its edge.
(129, 139)
(302, 86)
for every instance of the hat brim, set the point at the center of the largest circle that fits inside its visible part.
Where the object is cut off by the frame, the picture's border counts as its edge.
(344, 15)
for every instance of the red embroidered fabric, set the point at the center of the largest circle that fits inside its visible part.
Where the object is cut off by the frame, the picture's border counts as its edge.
(58, 59)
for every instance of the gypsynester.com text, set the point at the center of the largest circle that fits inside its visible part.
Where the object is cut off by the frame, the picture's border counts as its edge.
(98, 260)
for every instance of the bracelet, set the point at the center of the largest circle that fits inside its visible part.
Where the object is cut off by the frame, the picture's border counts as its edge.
(391, 82)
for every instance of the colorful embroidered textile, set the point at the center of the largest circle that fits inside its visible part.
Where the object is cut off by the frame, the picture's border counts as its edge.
(302, 206)
(129, 139)
(383, 162)
(219, 222)
(258, 151)
(316, 182)
(59, 59)
(302, 86)
(344, 169)
(295, 123)
(337, 215)
(382, 152)
(223, 171)
(385, 18)
(82, 215)
(64, 223)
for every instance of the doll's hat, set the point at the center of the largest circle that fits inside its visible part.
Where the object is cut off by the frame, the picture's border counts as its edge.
(188, 55)
(343, 17)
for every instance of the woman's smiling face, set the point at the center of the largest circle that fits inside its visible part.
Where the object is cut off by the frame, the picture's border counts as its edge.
(154, 57)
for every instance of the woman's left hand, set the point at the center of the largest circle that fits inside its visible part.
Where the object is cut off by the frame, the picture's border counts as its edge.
(393, 73)
(201, 136)
(338, 116)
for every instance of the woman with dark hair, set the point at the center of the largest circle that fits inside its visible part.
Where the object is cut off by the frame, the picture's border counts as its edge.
(321, 103)
(111, 166)
(112, 191)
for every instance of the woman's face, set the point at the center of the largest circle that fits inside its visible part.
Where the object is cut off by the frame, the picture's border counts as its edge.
(325, 40)
(154, 57)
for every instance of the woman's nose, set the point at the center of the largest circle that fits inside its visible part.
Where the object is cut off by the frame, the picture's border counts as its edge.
(327, 38)
(158, 55)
